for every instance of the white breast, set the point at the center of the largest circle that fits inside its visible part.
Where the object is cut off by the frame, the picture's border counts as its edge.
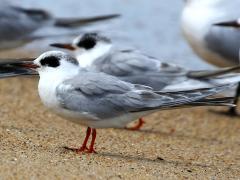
(196, 22)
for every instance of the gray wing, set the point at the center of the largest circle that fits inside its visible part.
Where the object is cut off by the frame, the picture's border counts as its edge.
(224, 40)
(137, 68)
(105, 96)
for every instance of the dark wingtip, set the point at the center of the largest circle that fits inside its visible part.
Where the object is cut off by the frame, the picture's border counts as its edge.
(212, 73)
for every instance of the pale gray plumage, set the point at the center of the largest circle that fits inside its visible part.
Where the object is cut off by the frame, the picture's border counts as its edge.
(135, 67)
(107, 97)
(225, 42)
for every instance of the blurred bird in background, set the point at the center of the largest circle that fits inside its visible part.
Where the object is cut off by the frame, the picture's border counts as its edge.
(18, 24)
(215, 44)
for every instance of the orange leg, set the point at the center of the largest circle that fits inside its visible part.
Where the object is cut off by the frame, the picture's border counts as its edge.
(138, 126)
(91, 147)
(84, 145)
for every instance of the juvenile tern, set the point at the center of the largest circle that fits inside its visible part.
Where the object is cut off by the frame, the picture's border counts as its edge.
(17, 24)
(98, 100)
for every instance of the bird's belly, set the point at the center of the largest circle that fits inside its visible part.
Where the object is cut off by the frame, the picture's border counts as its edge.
(117, 122)
(211, 57)
(89, 120)
(195, 26)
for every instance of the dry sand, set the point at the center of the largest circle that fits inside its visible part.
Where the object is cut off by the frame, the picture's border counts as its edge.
(178, 144)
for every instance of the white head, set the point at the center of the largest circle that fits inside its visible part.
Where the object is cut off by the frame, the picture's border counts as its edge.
(55, 64)
(88, 47)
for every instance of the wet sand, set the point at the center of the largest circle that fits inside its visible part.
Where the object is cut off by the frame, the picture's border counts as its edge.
(177, 144)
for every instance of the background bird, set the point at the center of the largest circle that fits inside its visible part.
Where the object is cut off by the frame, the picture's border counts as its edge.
(217, 45)
(18, 24)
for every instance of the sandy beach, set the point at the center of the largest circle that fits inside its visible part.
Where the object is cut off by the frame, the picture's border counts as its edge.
(177, 144)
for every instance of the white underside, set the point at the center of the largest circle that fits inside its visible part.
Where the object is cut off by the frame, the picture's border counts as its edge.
(89, 120)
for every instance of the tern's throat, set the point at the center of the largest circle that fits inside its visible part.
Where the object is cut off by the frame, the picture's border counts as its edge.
(50, 78)
(87, 58)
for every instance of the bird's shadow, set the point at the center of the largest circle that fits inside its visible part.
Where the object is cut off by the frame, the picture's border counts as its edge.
(179, 135)
(225, 113)
(158, 160)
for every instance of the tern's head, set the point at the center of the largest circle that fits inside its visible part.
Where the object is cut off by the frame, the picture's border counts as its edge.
(55, 63)
(92, 44)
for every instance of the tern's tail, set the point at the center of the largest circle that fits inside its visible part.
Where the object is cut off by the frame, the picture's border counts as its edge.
(213, 77)
(207, 74)
(188, 98)
(224, 101)
(76, 22)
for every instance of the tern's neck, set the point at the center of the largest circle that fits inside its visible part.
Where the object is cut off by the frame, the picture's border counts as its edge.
(87, 58)
(54, 77)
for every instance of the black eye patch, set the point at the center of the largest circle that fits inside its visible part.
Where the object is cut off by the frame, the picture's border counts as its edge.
(50, 61)
(87, 42)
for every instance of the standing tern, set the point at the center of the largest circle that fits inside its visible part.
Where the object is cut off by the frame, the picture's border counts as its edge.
(98, 100)
(17, 24)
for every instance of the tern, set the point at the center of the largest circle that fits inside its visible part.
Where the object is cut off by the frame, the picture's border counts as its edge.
(99, 100)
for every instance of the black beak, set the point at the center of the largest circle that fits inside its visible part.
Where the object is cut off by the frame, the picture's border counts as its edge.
(63, 46)
(228, 24)
(28, 65)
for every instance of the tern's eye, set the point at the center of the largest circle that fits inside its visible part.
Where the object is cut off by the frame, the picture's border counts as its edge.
(50, 61)
(87, 43)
